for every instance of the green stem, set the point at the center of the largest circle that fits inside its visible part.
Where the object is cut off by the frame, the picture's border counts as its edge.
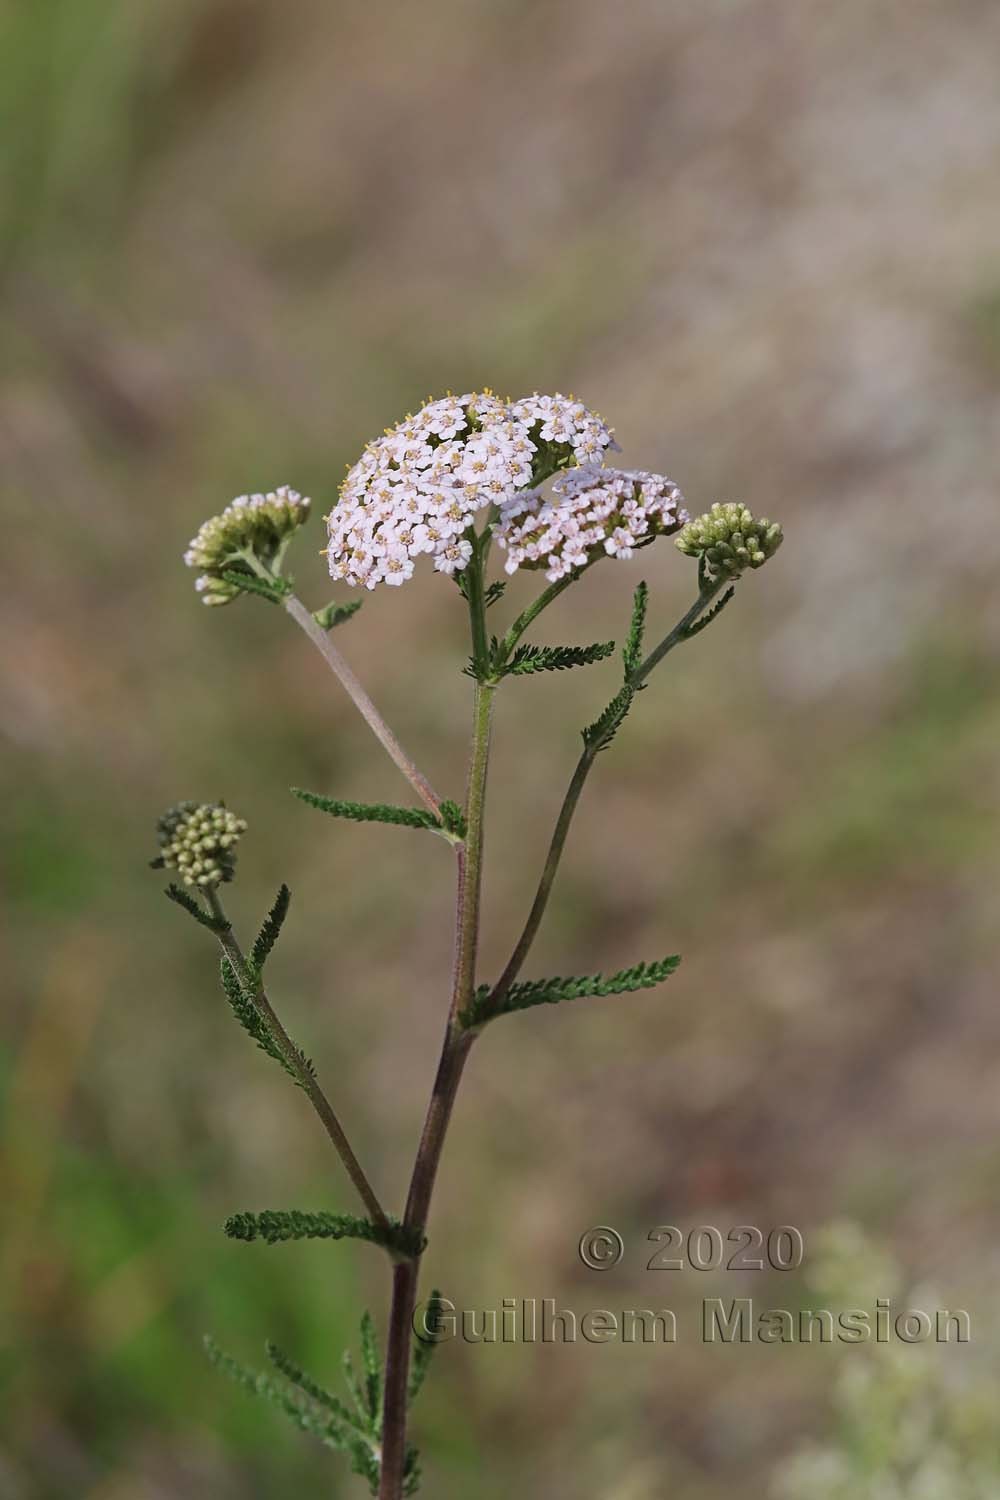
(454, 1051)
(572, 797)
(679, 632)
(529, 615)
(289, 1051)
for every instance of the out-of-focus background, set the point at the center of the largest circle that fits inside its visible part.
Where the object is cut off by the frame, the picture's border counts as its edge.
(239, 238)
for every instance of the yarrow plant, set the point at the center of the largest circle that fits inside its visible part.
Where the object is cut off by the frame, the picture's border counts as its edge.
(443, 484)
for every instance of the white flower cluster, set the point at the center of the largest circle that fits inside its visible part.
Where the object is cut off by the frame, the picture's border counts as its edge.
(416, 489)
(258, 524)
(593, 512)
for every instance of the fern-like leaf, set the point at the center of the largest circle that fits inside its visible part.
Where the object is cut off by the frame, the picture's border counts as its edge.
(423, 1348)
(632, 652)
(494, 592)
(268, 935)
(528, 659)
(598, 736)
(370, 812)
(271, 590)
(245, 1010)
(716, 609)
(187, 903)
(373, 1370)
(332, 615)
(330, 1430)
(274, 1226)
(312, 1388)
(532, 992)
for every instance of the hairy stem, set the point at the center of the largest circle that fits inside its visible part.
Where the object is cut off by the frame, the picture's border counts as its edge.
(344, 674)
(454, 1051)
(289, 1051)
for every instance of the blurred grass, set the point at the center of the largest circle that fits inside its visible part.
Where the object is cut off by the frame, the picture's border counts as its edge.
(236, 242)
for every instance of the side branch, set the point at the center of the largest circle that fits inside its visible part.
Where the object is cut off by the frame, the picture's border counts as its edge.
(348, 680)
(309, 1083)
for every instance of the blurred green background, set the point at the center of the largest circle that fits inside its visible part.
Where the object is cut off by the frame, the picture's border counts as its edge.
(238, 239)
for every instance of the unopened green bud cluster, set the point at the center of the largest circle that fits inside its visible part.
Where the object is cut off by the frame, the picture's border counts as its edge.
(198, 840)
(730, 540)
(251, 527)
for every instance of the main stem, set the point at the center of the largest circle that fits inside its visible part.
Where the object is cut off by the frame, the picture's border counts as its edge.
(454, 1051)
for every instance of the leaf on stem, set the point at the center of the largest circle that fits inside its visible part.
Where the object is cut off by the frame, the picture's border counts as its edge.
(306, 1412)
(530, 992)
(632, 653)
(528, 659)
(373, 1370)
(268, 935)
(188, 904)
(273, 590)
(379, 812)
(423, 1348)
(716, 609)
(332, 615)
(245, 1010)
(312, 1388)
(598, 736)
(274, 1226)
(494, 592)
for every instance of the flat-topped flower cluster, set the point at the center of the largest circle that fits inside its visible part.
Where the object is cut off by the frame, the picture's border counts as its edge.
(418, 490)
(592, 513)
(415, 490)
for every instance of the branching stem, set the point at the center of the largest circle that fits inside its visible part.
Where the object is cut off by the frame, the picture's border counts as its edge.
(310, 1084)
(348, 680)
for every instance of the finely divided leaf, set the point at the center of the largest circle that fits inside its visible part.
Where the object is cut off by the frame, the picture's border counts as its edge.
(370, 812)
(598, 736)
(716, 609)
(555, 658)
(268, 935)
(632, 653)
(276, 1225)
(532, 992)
(188, 904)
(274, 591)
(332, 615)
(423, 1348)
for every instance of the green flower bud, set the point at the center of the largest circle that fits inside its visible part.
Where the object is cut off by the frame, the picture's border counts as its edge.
(254, 528)
(728, 540)
(198, 840)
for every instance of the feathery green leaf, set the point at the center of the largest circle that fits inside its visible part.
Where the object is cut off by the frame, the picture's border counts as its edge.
(494, 591)
(716, 609)
(268, 935)
(312, 1388)
(555, 658)
(598, 736)
(370, 812)
(524, 995)
(332, 615)
(190, 905)
(373, 1369)
(272, 590)
(423, 1348)
(453, 819)
(632, 653)
(245, 1010)
(330, 1430)
(275, 1225)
